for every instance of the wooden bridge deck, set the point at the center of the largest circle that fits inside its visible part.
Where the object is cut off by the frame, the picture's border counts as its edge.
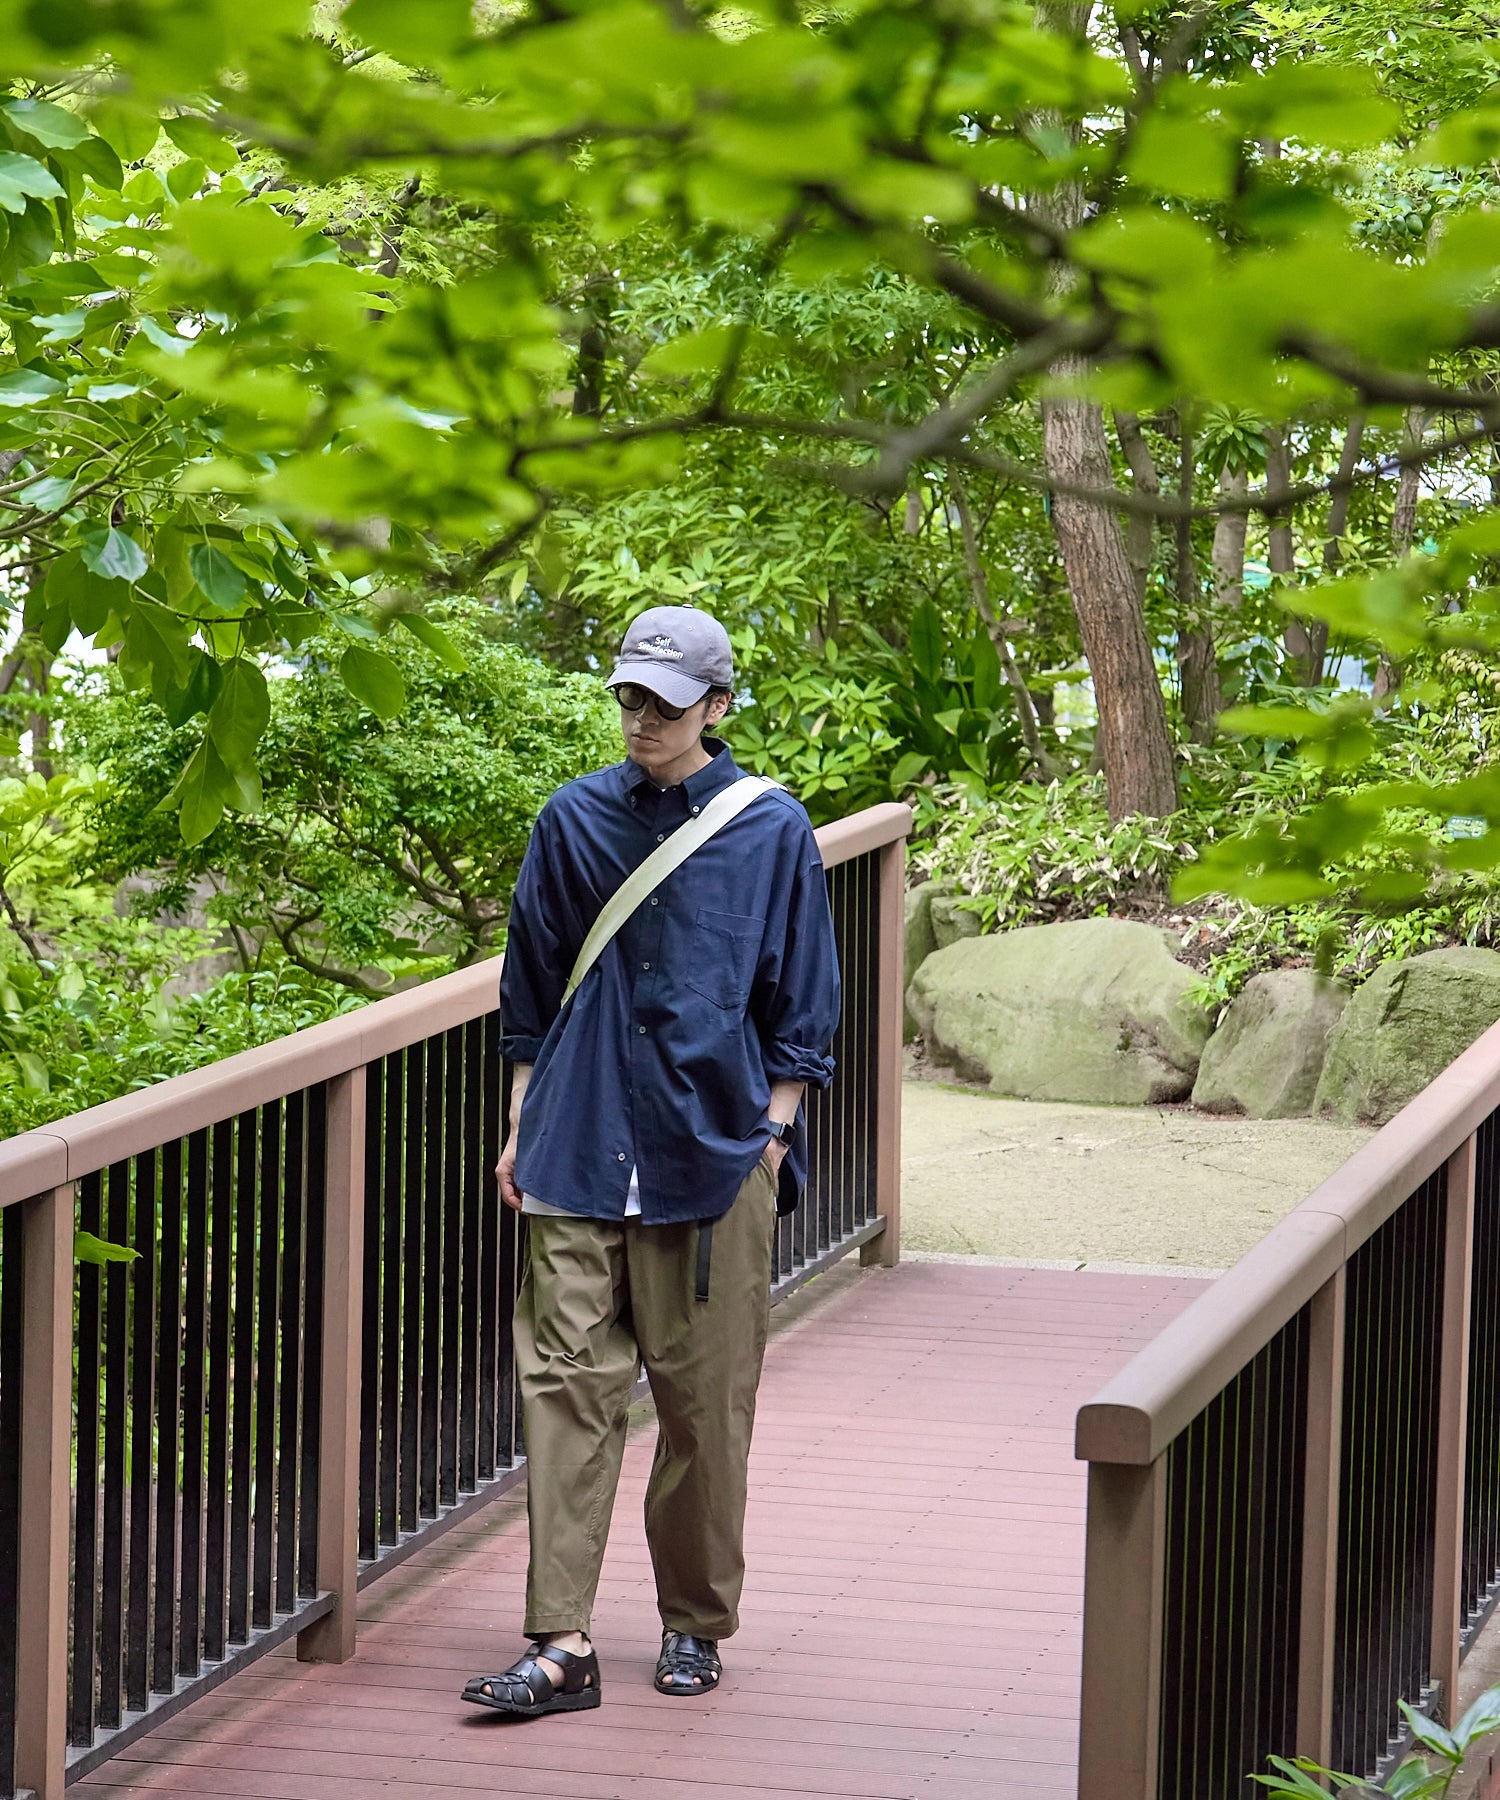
(912, 1614)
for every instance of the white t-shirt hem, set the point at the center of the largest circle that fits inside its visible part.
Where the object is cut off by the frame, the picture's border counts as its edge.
(544, 1209)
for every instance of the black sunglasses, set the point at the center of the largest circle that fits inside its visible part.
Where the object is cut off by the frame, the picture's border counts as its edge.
(633, 697)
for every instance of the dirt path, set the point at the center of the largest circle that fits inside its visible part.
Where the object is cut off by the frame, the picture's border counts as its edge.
(1042, 1182)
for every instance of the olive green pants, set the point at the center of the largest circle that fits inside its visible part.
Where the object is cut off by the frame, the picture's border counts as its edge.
(596, 1302)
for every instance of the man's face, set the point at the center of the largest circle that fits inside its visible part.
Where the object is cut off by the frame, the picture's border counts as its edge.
(656, 742)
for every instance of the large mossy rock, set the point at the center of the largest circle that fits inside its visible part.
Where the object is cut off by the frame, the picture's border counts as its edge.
(951, 920)
(1098, 1010)
(920, 938)
(1268, 1053)
(1403, 1028)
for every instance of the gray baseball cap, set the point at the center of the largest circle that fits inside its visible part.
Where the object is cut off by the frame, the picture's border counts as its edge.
(676, 651)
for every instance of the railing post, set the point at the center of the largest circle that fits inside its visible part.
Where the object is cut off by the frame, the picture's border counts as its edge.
(1320, 1519)
(331, 1638)
(1124, 1568)
(45, 1491)
(1453, 1423)
(885, 1250)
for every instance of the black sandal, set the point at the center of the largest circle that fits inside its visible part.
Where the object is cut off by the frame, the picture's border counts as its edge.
(526, 1689)
(688, 1665)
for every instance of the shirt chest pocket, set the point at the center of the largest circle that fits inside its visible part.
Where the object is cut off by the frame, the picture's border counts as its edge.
(723, 950)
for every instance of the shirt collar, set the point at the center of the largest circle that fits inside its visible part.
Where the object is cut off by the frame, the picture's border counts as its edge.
(699, 787)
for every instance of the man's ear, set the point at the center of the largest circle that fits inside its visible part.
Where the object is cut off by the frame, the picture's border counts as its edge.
(718, 708)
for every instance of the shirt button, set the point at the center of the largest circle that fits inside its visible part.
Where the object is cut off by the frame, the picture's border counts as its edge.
(655, 901)
(641, 1029)
(661, 837)
(645, 965)
(620, 1156)
(695, 810)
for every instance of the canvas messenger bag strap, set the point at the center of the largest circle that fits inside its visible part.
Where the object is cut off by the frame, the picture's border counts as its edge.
(727, 804)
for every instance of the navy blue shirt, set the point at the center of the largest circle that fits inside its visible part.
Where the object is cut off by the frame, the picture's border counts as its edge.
(724, 981)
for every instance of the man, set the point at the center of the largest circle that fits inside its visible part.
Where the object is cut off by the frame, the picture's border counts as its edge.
(654, 1137)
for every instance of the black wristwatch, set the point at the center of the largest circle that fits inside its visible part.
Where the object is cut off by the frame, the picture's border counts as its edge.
(782, 1131)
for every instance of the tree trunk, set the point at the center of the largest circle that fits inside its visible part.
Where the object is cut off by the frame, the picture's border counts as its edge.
(40, 725)
(1230, 532)
(1403, 530)
(1408, 485)
(1197, 651)
(979, 587)
(1140, 529)
(1134, 745)
(1310, 671)
(1281, 556)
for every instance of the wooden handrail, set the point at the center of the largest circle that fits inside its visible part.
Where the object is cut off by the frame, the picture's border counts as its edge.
(84, 1142)
(1158, 1394)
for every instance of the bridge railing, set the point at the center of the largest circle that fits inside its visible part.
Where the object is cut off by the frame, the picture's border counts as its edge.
(1294, 1491)
(307, 1372)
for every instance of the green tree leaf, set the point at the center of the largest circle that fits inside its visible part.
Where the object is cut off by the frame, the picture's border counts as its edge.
(198, 137)
(50, 125)
(240, 714)
(430, 633)
(28, 387)
(374, 680)
(100, 1251)
(226, 585)
(23, 178)
(1176, 154)
(199, 794)
(112, 553)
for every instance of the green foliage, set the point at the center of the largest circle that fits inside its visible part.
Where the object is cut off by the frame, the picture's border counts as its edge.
(820, 728)
(1035, 855)
(1385, 783)
(295, 310)
(1429, 1777)
(90, 1249)
(104, 1020)
(948, 711)
(384, 843)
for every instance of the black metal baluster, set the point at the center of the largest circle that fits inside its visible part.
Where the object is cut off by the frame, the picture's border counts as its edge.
(242, 1410)
(86, 1486)
(432, 1273)
(372, 1300)
(411, 1282)
(451, 1171)
(12, 1299)
(392, 1422)
(874, 951)
(294, 1193)
(220, 1307)
(194, 1402)
(268, 1306)
(1394, 1329)
(168, 1419)
(494, 1301)
(471, 1060)
(821, 1203)
(116, 1406)
(861, 1203)
(313, 1349)
(143, 1281)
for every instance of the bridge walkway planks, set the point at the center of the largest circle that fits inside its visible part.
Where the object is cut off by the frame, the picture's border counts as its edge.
(912, 1615)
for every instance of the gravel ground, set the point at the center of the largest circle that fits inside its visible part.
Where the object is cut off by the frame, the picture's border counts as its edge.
(1042, 1182)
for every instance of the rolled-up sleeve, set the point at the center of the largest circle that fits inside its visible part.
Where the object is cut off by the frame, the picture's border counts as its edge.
(534, 973)
(799, 1012)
